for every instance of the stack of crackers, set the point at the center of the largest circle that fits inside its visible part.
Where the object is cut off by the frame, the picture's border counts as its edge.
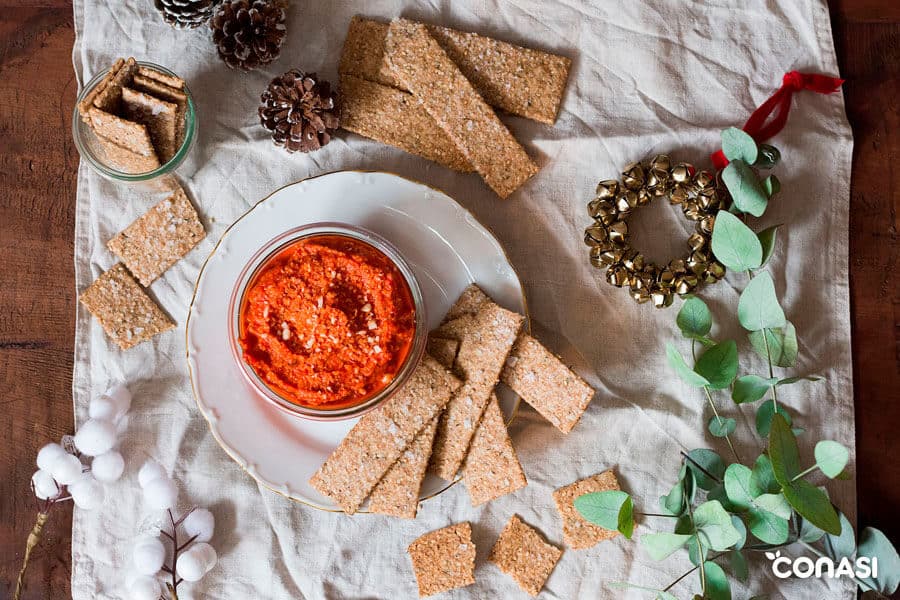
(138, 116)
(447, 420)
(147, 248)
(429, 91)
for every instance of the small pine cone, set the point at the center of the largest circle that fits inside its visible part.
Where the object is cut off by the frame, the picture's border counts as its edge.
(185, 14)
(249, 33)
(300, 111)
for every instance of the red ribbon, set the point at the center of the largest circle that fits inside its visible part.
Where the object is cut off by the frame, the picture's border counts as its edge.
(780, 105)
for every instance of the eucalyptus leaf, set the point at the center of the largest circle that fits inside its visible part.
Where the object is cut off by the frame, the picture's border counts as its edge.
(783, 453)
(717, 586)
(604, 509)
(719, 494)
(676, 361)
(745, 188)
(714, 525)
(742, 529)
(762, 479)
(790, 380)
(812, 504)
(681, 494)
(738, 145)
(764, 415)
(738, 565)
(874, 544)
(719, 365)
(661, 545)
(809, 533)
(734, 244)
(711, 463)
(842, 545)
(831, 458)
(771, 185)
(768, 527)
(722, 427)
(750, 388)
(775, 504)
(758, 306)
(626, 518)
(767, 238)
(779, 344)
(768, 157)
(737, 486)
(694, 318)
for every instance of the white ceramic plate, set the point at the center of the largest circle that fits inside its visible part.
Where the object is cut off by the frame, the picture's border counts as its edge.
(447, 249)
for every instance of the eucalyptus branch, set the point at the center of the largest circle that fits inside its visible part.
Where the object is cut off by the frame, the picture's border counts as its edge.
(680, 579)
(699, 466)
(805, 472)
(700, 553)
(719, 419)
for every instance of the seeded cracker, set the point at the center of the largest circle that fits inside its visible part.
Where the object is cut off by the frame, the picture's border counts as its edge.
(469, 302)
(124, 310)
(169, 94)
(548, 385)
(579, 533)
(492, 468)
(169, 80)
(109, 98)
(443, 350)
(158, 115)
(126, 160)
(522, 553)
(159, 238)
(444, 559)
(397, 494)
(482, 351)
(394, 117)
(85, 105)
(378, 440)
(122, 132)
(424, 68)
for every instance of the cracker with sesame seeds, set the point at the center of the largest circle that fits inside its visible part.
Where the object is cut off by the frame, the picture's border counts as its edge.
(523, 554)
(429, 73)
(443, 350)
(122, 132)
(88, 101)
(492, 468)
(469, 302)
(109, 99)
(578, 532)
(127, 314)
(169, 80)
(546, 383)
(443, 559)
(482, 352)
(397, 494)
(158, 239)
(126, 160)
(169, 94)
(159, 116)
(378, 440)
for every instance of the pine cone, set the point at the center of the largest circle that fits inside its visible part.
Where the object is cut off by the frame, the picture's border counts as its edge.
(300, 111)
(249, 33)
(186, 13)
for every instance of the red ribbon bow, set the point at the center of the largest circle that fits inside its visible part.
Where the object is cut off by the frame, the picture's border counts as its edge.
(780, 105)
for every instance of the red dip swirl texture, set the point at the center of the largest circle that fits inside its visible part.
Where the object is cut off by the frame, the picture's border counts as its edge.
(327, 322)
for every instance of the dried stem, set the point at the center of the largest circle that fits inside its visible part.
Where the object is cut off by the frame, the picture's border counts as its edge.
(33, 538)
(172, 586)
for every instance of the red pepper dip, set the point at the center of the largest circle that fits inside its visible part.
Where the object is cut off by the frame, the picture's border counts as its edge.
(327, 322)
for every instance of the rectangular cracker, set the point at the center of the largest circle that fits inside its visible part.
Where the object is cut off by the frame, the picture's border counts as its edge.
(169, 94)
(521, 81)
(482, 352)
(443, 559)
(127, 314)
(88, 101)
(169, 80)
(443, 350)
(469, 302)
(523, 554)
(110, 98)
(126, 160)
(397, 494)
(125, 133)
(544, 382)
(434, 79)
(159, 116)
(395, 117)
(492, 468)
(378, 440)
(159, 238)
(578, 532)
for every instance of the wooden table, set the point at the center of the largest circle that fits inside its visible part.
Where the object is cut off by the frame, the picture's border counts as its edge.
(37, 291)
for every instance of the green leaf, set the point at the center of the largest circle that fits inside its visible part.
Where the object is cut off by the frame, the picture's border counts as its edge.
(734, 244)
(714, 525)
(676, 361)
(738, 145)
(775, 504)
(711, 462)
(758, 307)
(694, 318)
(762, 479)
(660, 594)
(742, 529)
(809, 533)
(783, 452)
(745, 188)
(717, 586)
(682, 494)
(764, 417)
(719, 365)
(768, 157)
(720, 427)
(782, 344)
(812, 504)
(751, 388)
(719, 494)
(831, 458)
(771, 185)
(626, 518)
(768, 527)
(790, 380)
(874, 544)
(609, 510)
(767, 239)
(842, 545)
(738, 565)
(661, 545)
(737, 486)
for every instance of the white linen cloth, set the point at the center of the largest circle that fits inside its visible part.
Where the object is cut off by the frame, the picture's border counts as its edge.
(648, 77)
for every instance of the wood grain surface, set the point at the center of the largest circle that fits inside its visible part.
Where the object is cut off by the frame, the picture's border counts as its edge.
(38, 163)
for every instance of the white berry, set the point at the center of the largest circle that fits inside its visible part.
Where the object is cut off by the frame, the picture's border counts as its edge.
(196, 562)
(66, 469)
(48, 455)
(95, 437)
(149, 471)
(102, 408)
(161, 493)
(149, 554)
(108, 466)
(120, 396)
(201, 523)
(44, 485)
(87, 493)
(144, 588)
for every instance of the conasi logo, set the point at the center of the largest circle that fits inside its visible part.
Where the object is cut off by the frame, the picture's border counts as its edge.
(804, 567)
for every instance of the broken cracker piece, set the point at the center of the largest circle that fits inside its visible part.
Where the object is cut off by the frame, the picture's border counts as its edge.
(523, 554)
(109, 99)
(88, 101)
(444, 559)
(169, 94)
(159, 238)
(443, 350)
(426, 70)
(127, 314)
(492, 468)
(397, 494)
(482, 352)
(125, 133)
(578, 532)
(378, 440)
(158, 115)
(469, 302)
(544, 382)
(169, 80)
(124, 159)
